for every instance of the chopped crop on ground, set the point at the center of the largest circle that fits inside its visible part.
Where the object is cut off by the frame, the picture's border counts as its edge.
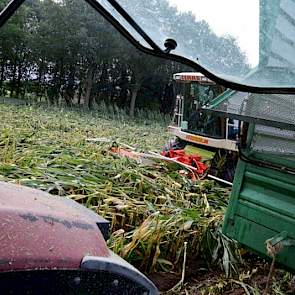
(156, 215)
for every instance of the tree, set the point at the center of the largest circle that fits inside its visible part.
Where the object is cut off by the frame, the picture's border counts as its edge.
(63, 51)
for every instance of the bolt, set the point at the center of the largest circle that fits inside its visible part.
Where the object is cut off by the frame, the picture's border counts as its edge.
(115, 283)
(77, 281)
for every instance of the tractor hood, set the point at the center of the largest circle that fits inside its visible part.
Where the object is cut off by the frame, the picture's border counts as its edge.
(53, 245)
(41, 231)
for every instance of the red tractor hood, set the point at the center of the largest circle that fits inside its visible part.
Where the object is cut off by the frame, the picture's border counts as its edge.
(41, 231)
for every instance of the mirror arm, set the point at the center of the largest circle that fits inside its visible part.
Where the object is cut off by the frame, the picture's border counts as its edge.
(134, 24)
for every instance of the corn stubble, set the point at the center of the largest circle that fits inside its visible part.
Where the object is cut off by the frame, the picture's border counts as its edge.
(153, 210)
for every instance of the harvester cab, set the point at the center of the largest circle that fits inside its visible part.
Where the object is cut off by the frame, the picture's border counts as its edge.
(191, 124)
(209, 135)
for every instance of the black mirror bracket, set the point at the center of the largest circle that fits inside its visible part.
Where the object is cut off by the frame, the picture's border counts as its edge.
(170, 44)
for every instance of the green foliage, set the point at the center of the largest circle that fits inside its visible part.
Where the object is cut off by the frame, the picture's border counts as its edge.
(66, 53)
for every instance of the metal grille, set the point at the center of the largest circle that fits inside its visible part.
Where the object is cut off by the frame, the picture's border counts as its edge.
(276, 109)
(273, 140)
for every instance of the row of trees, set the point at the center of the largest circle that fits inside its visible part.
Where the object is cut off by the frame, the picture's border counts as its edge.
(64, 52)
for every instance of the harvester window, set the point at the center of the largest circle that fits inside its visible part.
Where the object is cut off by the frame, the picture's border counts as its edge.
(196, 121)
(232, 129)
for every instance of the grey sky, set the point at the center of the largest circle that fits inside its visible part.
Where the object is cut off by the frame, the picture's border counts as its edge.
(238, 18)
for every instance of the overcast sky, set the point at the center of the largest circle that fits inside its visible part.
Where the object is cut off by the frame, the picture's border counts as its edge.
(239, 18)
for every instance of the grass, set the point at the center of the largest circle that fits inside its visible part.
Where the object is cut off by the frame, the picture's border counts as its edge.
(153, 211)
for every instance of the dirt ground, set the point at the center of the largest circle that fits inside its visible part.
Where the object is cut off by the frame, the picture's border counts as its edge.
(251, 279)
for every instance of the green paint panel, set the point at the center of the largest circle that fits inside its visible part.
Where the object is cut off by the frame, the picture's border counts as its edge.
(254, 235)
(205, 154)
(262, 205)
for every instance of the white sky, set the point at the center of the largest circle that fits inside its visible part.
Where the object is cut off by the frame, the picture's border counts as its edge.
(239, 18)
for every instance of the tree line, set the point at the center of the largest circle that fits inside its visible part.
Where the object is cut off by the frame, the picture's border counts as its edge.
(65, 53)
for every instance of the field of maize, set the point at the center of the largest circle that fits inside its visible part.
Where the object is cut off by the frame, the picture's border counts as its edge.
(161, 222)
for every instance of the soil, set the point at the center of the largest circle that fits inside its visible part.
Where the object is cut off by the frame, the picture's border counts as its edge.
(252, 276)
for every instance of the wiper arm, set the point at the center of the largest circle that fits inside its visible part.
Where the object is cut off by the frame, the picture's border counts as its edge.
(9, 10)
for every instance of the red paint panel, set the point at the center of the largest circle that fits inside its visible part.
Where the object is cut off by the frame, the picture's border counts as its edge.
(39, 231)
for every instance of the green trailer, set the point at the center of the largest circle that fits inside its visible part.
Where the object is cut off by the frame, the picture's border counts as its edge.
(261, 212)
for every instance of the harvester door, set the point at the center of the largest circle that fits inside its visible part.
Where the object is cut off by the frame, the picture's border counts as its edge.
(178, 111)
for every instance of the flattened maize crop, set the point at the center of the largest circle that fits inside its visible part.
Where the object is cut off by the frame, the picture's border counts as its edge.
(153, 210)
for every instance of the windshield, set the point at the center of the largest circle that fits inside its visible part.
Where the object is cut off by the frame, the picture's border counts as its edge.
(248, 42)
